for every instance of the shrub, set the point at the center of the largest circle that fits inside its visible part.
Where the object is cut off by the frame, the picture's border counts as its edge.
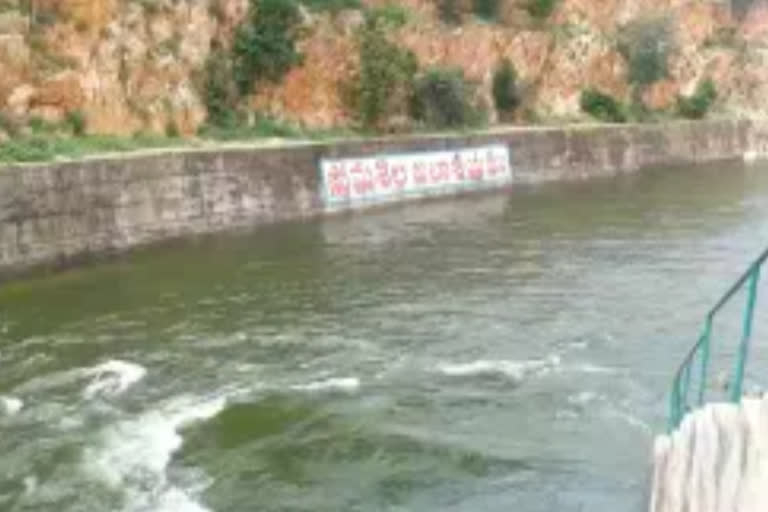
(638, 111)
(265, 42)
(449, 11)
(602, 106)
(26, 149)
(265, 126)
(698, 104)
(506, 96)
(441, 99)
(486, 9)
(171, 129)
(385, 79)
(646, 45)
(262, 126)
(332, 6)
(540, 9)
(218, 89)
(388, 14)
(76, 122)
(42, 147)
(37, 124)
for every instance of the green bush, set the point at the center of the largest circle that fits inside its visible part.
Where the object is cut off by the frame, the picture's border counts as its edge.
(218, 89)
(260, 126)
(698, 104)
(449, 11)
(40, 125)
(441, 99)
(265, 126)
(76, 122)
(486, 9)
(638, 111)
(73, 123)
(602, 106)
(646, 45)
(26, 149)
(332, 6)
(44, 147)
(264, 47)
(540, 9)
(385, 79)
(171, 129)
(506, 96)
(389, 14)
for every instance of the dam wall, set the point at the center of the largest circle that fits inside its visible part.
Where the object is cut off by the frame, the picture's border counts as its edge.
(58, 213)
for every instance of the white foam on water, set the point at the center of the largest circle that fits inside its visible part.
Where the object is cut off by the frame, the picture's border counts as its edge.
(108, 378)
(631, 420)
(30, 484)
(112, 377)
(582, 398)
(346, 384)
(566, 415)
(133, 455)
(10, 405)
(591, 368)
(515, 370)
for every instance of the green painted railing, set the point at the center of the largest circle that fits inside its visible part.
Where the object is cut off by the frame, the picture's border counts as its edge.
(685, 395)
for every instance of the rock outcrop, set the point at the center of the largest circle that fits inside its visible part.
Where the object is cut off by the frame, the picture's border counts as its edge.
(135, 65)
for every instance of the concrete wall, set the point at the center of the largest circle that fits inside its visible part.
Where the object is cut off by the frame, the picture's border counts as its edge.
(717, 461)
(52, 213)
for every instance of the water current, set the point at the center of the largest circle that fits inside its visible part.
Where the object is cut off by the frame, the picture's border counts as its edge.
(502, 352)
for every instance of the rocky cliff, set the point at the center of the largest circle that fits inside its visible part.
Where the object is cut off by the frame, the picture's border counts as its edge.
(132, 66)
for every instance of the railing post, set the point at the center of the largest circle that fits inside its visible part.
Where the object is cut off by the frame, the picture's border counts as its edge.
(704, 359)
(746, 333)
(686, 384)
(674, 405)
(678, 400)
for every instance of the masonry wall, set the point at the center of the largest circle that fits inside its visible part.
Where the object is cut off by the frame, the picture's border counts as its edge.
(54, 213)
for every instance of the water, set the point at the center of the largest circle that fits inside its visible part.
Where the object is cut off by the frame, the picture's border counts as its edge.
(495, 353)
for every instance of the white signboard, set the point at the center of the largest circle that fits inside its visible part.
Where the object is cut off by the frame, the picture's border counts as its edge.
(392, 177)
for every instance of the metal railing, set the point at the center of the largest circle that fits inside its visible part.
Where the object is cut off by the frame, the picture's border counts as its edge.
(683, 398)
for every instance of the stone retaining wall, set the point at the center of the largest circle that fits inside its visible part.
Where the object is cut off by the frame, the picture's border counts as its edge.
(55, 213)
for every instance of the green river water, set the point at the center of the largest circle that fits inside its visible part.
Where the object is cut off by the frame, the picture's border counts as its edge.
(505, 352)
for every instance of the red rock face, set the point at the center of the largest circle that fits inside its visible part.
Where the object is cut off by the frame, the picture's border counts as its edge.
(755, 25)
(131, 69)
(311, 93)
(62, 92)
(576, 49)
